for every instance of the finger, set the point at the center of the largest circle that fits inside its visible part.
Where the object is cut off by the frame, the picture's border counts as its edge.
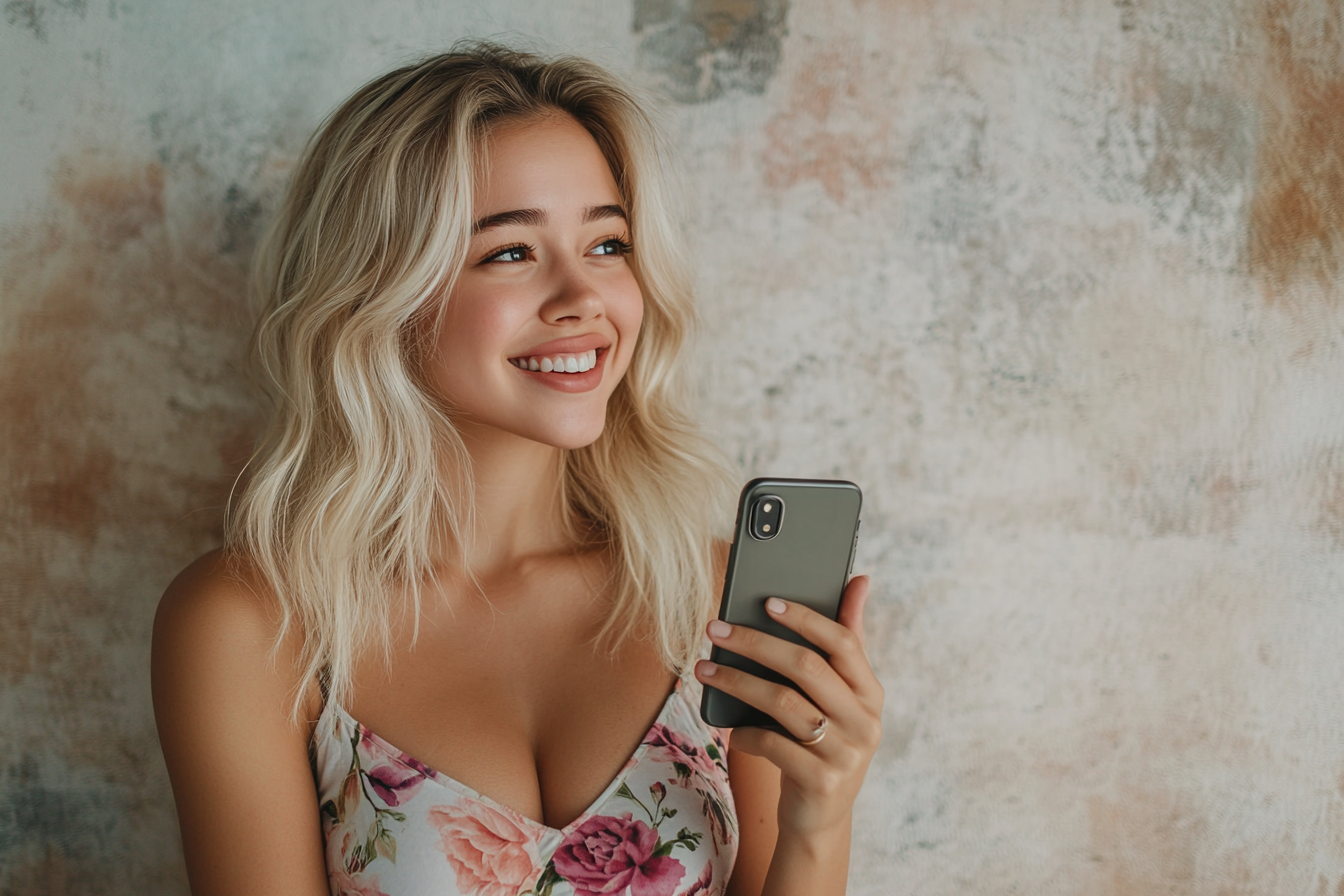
(792, 758)
(804, 666)
(852, 605)
(786, 706)
(841, 643)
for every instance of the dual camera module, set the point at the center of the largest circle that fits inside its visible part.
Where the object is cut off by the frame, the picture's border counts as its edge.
(767, 515)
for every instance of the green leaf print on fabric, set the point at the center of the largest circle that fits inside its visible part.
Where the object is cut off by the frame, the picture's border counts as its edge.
(702, 770)
(377, 840)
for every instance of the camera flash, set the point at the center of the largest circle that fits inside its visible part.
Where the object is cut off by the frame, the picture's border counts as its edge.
(766, 527)
(768, 507)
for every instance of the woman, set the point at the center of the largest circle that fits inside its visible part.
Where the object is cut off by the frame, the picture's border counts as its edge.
(480, 529)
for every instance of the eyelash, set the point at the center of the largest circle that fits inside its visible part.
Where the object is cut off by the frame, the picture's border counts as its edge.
(623, 247)
(498, 252)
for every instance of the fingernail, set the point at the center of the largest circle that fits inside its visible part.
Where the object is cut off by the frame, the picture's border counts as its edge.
(720, 629)
(707, 669)
(776, 606)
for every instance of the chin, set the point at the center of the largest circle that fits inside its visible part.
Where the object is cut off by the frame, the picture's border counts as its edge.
(575, 440)
(567, 434)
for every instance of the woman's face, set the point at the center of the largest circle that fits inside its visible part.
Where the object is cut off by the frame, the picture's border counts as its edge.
(542, 321)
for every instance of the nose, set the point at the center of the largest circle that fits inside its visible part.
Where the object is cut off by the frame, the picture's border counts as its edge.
(574, 297)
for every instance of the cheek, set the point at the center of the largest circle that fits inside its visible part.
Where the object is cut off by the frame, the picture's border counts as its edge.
(473, 328)
(628, 315)
(462, 364)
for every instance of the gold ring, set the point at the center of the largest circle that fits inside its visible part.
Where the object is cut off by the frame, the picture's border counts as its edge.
(817, 733)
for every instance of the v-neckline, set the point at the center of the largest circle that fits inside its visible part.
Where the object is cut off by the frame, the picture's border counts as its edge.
(464, 790)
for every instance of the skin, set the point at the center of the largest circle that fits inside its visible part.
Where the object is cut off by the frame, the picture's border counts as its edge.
(519, 665)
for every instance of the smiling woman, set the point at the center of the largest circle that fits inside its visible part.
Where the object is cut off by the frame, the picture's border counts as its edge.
(481, 528)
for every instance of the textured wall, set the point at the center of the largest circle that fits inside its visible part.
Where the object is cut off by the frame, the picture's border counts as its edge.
(1057, 282)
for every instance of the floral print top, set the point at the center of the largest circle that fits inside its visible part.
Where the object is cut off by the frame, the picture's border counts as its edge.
(665, 826)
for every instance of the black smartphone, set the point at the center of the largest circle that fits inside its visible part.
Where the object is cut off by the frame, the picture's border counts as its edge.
(794, 539)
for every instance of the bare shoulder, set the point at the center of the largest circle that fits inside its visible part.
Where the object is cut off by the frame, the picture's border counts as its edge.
(217, 625)
(217, 589)
(219, 615)
(223, 694)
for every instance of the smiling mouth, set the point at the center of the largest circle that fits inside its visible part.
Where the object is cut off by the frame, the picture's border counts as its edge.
(560, 362)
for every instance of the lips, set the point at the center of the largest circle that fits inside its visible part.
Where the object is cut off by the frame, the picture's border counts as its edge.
(570, 345)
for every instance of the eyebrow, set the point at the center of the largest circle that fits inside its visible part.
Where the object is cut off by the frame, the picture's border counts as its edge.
(601, 212)
(535, 217)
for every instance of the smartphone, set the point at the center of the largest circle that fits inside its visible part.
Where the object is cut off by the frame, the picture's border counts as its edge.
(794, 539)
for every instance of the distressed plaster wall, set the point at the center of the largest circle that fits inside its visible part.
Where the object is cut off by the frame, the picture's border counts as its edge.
(1057, 282)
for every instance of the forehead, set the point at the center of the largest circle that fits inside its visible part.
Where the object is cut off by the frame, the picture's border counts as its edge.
(549, 163)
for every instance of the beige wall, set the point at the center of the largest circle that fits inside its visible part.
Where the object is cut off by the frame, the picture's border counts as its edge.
(1057, 282)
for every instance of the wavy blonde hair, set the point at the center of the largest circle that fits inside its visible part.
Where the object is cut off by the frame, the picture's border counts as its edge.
(347, 492)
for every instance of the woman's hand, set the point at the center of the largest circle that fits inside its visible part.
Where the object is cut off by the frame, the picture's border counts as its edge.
(818, 783)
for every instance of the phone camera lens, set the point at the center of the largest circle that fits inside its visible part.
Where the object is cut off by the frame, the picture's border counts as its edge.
(767, 514)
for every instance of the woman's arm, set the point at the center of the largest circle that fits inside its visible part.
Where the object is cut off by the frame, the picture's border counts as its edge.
(811, 788)
(246, 801)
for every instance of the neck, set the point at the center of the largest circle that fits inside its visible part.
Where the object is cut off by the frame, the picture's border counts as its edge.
(517, 488)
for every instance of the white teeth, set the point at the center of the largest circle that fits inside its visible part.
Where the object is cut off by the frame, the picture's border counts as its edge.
(580, 363)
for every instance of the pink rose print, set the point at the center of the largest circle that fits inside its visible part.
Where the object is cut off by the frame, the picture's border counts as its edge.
(490, 854)
(395, 784)
(669, 746)
(701, 886)
(370, 745)
(344, 880)
(347, 858)
(720, 817)
(336, 853)
(605, 855)
(343, 884)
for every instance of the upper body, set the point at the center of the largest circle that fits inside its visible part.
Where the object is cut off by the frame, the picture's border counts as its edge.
(494, 604)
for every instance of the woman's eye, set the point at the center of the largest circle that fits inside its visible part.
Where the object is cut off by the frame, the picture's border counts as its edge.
(511, 254)
(612, 246)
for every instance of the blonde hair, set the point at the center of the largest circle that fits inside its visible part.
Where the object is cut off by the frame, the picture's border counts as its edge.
(347, 491)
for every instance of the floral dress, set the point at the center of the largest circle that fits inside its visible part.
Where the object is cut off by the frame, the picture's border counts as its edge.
(665, 826)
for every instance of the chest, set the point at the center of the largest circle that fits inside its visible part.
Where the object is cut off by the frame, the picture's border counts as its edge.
(510, 693)
(664, 824)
